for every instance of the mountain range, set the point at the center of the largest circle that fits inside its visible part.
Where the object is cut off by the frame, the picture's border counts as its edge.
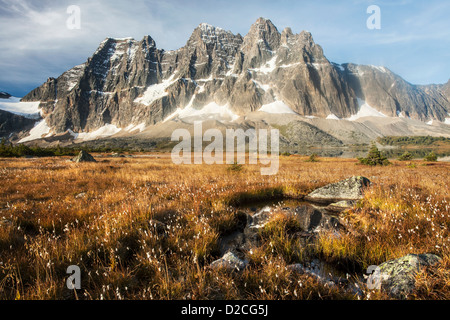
(267, 78)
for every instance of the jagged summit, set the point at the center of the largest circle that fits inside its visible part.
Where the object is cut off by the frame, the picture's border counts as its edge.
(208, 28)
(264, 34)
(263, 24)
(129, 84)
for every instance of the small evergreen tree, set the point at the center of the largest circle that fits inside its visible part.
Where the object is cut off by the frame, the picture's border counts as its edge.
(431, 157)
(374, 157)
(313, 158)
(406, 156)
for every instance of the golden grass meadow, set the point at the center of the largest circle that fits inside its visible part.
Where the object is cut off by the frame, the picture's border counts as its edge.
(100, 216)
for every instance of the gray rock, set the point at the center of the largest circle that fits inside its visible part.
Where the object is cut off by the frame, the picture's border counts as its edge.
(261, 218)
(308, 217)
(83, 156)
(117, 155)
(341, 205)
(397, 276)
(349, 189)
(313, 219)
(229, 262)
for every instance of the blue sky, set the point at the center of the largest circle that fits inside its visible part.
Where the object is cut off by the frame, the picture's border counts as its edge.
(414, 39)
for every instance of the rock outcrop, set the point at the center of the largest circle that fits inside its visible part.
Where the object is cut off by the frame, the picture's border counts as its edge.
(312, 219)
(397, 276)
(349, 189)
(83, 156)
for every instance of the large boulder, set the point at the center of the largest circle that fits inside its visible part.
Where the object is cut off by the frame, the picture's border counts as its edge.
(398, 276)
(83, 156)
(349, 189)
(313, 219)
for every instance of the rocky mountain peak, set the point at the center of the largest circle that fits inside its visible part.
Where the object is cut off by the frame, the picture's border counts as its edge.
(286, 35)
(148, 41)
(264, 34)
(209, 51)
(208, 34)
(206, 28)
(260, 43)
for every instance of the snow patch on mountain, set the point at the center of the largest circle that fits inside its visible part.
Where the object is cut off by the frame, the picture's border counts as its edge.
(155, 92)
(400, 114)
(381, 69)
(285, 66)
(268, 67)
(26, 109)
(40, 130)
(210, 29)
(210, 111)
(230, 71)
(72, 76)
(365, 110)
(276, 107)
(103, 132)
(317, 66)
(339, 66)
(265, 87)
(132, 127)
(333, 117)
(123, 39)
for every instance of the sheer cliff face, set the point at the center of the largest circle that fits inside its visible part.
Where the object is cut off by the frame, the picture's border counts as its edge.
(10, 122)
(131, 82)
(446, 90)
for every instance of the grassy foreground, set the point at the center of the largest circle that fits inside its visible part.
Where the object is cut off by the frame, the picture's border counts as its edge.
(54, 213)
